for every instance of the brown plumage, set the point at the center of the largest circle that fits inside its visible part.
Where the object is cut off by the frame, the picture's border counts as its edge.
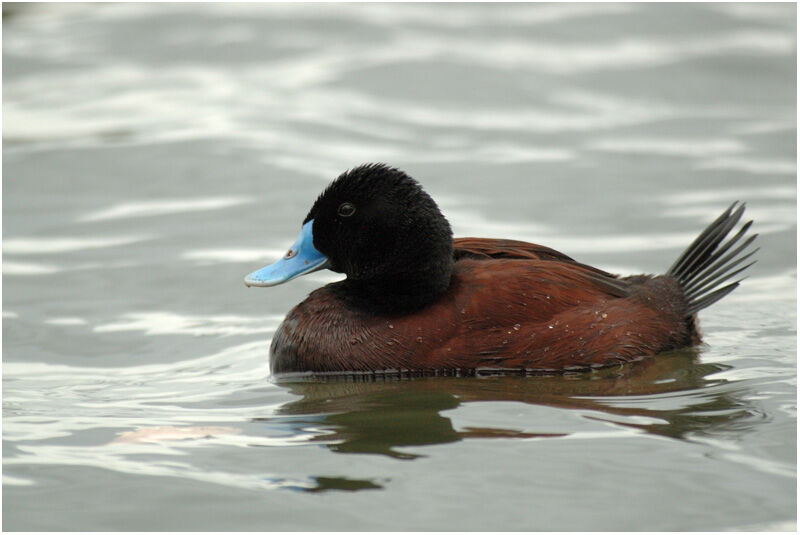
(509, 311)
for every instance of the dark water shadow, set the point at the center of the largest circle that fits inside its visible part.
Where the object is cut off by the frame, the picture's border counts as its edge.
(675, 394)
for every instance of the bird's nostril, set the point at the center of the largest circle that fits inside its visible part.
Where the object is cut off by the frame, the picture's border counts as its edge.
(290, 253)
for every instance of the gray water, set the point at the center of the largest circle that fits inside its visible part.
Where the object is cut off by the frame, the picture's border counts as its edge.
(155, 154)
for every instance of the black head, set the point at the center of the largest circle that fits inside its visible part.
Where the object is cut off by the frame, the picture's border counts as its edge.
(377, 225)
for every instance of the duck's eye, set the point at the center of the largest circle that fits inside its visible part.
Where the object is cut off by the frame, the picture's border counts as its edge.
(346, 209)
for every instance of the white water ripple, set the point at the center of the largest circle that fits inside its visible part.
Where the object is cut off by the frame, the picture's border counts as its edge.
(163, 207)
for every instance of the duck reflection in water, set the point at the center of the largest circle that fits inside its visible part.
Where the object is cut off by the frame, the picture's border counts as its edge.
(381, 416)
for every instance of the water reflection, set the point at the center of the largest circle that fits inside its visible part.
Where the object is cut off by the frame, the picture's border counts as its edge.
(674, 395)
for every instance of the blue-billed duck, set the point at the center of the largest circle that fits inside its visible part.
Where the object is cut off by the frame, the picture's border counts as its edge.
(416, 301)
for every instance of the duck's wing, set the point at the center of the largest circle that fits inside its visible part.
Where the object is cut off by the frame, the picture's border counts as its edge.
(485, 248)
(493, 248)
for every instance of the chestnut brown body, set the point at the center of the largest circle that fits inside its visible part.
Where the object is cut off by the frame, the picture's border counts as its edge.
(510, 306)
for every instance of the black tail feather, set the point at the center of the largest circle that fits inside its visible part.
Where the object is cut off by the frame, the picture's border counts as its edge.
(709, 272)
(721, 277)
(704, 266)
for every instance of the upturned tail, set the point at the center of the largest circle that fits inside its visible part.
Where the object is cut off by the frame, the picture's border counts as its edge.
(707, 264)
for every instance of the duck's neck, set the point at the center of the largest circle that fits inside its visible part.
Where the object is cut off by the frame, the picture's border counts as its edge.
(396, 293)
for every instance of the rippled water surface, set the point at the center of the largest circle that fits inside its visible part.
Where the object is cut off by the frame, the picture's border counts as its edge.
(155, 154)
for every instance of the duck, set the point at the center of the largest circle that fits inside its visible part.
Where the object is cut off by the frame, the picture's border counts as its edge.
(416, 301)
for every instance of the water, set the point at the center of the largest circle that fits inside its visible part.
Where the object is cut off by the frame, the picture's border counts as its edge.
(155, 154)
